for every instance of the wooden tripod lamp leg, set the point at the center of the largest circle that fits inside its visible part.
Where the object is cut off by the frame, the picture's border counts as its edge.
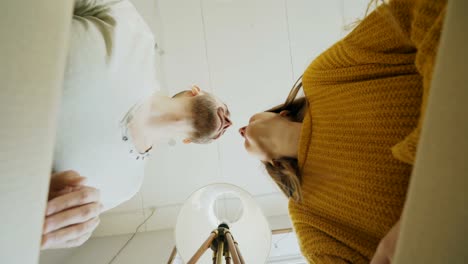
(173, 254)
(215, 253)
(232, 248)
(227, 257)
(239, 253)
(203, 248)
(219, 257)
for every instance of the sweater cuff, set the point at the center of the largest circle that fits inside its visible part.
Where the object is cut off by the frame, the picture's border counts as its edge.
(405, 151)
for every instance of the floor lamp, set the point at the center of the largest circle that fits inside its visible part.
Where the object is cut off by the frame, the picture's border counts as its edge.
(223, 218)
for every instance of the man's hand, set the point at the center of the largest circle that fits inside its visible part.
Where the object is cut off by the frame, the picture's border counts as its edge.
(72, 211)
(386, 249)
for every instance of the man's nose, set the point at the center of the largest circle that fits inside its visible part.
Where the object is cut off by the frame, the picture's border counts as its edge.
(242, 131)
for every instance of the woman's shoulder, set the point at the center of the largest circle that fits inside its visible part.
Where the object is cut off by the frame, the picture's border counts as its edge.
(382, 37)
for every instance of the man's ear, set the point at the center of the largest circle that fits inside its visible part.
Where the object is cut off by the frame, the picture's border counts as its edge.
(195, 90)
(187, 141)
(284, 113)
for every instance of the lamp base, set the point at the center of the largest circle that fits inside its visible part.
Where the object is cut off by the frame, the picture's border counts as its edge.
(222, 244)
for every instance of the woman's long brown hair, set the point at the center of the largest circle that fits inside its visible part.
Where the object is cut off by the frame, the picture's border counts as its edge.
(285, 170)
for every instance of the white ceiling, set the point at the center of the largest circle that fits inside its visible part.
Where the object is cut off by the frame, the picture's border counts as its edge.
(247, 52)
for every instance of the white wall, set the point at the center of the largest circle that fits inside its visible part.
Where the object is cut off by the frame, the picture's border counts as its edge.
(145, 248)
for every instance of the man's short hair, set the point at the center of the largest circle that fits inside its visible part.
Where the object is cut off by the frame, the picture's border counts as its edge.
(204, 110)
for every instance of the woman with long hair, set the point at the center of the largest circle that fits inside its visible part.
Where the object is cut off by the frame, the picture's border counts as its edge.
(343, 153)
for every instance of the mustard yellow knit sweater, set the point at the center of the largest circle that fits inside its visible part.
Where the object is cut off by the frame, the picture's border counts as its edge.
(367, 97)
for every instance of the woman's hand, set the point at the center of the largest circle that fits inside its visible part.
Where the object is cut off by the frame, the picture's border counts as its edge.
(72, 211)
(386, 249)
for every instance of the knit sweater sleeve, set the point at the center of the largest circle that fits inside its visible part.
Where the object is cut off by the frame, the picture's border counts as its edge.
(312, 256)
(402, 32)
(330, 251)
(426, 28)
